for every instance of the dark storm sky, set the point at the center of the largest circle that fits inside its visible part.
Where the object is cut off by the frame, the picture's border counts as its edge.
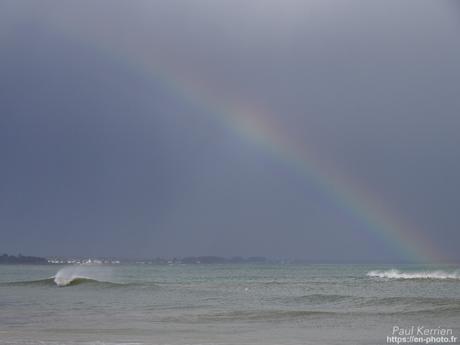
(101, 158)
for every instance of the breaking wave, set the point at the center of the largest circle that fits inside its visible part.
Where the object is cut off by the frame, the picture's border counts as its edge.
(396, 274)
(71, 276)
(75, 275)
(81, 280)
(61, 283)
(96, 276)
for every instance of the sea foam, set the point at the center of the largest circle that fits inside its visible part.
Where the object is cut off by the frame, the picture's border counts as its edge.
(396, 274)
(72, 275)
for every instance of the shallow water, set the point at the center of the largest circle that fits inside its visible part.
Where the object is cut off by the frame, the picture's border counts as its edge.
(223, 304)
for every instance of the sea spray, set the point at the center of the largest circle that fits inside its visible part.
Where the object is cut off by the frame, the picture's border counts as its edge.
(74, 274)
(396, 274)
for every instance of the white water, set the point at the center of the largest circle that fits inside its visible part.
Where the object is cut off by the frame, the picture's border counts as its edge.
(396, 274)
(67, 275)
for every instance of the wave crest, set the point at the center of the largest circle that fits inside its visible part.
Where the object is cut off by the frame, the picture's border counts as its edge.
(76, 281)
(75, 275)
(396, 274)
(50, 282)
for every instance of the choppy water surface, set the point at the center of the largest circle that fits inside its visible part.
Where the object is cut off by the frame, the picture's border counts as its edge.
(223, 304)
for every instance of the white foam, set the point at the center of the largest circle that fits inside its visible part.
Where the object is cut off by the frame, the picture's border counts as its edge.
(67, 275)
(396, 274)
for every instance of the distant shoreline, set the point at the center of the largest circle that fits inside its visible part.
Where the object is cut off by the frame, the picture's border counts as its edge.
(6, 259)
(164, 261)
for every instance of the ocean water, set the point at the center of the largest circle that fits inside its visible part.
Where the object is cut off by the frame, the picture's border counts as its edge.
(223, 304)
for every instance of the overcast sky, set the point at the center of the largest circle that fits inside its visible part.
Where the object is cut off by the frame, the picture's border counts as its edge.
(102, 155)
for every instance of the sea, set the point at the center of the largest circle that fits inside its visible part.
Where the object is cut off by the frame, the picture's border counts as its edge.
(211, 304)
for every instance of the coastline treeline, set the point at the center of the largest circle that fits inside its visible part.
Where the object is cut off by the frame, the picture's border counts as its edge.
(21, 259)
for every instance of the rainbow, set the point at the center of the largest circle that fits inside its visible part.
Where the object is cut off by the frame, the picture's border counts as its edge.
(256, 126)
